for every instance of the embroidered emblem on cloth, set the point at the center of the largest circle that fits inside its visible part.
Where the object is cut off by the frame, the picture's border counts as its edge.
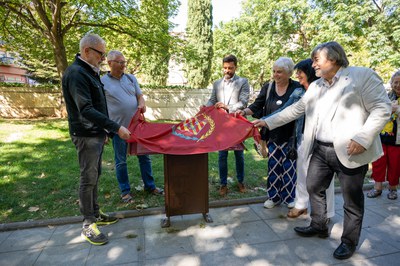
(192, 128)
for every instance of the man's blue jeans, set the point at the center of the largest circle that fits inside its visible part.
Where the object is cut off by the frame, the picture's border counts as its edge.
(121, 169)
(223, 166)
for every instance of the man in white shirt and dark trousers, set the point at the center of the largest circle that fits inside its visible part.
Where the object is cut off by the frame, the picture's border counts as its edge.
(230, 93)
(345, 109)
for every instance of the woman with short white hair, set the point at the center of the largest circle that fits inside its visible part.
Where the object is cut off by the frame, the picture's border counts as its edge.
(281, 181)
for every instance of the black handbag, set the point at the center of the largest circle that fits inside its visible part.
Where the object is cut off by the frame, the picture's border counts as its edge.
(264, 132)
(260, 113)
(292, 152)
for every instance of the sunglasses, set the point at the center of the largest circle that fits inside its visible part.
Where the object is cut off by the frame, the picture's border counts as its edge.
(103, 55)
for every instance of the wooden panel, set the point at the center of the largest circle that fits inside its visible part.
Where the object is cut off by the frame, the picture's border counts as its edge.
(186, 184)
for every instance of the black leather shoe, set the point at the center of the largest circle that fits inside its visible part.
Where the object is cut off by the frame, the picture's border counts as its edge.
(310, 231)
(344, 251)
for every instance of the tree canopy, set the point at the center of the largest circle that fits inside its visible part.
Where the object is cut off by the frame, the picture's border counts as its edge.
(367, 29)
(47, 32)
(199, 43)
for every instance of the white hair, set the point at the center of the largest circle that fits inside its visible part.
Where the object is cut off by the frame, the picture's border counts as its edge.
(286, 63)
(90, 40)
(113, 54)
(396, 74)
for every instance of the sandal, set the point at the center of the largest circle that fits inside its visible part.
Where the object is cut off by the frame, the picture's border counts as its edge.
(294, 213)
(373, 193)
(157, 191)
(260, 150)
(127, 198)
(392, 194)
(257, 149)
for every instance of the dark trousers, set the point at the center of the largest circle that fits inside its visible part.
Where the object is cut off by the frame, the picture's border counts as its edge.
(90, 150)
(323, 165)
(223, 166)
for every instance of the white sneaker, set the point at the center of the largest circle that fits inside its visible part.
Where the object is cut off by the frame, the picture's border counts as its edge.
(290, 205)
(269, 204)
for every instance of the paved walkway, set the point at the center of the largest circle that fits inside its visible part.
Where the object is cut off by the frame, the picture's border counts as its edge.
(239, 235)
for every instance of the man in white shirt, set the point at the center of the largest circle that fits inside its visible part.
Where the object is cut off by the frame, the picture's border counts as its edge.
(230, 93)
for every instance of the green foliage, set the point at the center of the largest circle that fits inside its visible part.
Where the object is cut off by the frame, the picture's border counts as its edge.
(155, 63)
(45, 86)
(148, 56)
(53, 86)
(42, 70)
(266, 30)
(156, 86)
(12, 84)
(373, 32)
(199, 47)
(46, 34)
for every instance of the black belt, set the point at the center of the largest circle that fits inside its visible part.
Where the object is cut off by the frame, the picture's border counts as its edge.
(326, 144)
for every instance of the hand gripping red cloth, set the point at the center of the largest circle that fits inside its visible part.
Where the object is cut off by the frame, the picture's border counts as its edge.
(209, 130)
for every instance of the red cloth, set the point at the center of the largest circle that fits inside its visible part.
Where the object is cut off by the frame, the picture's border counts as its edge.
(209, 130)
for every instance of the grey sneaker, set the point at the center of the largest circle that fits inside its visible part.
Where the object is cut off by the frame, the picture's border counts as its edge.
(93, 235)
(392, 194)
(104, 219)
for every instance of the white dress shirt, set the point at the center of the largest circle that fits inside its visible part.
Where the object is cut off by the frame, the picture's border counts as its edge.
(325, 103)
(228, 89)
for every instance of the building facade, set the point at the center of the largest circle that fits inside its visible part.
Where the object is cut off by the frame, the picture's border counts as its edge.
(10, 71)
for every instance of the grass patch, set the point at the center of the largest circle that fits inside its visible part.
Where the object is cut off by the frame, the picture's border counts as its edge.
(39, 173)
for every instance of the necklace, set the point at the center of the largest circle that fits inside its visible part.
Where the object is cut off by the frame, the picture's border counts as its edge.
(278, 102)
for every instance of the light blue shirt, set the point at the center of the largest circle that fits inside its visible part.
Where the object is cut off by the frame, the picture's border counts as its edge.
(121, 96)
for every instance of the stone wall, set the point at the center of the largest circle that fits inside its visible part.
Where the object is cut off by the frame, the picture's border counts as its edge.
(25, 102)
(174, 104)
(171, 104)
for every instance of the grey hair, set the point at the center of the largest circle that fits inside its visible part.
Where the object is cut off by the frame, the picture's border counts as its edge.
(90, 40)
(396, 74)
(334, 52)
(286, 63)
(113, 54)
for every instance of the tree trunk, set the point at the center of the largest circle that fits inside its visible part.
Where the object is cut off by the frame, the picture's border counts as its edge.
(60, 57)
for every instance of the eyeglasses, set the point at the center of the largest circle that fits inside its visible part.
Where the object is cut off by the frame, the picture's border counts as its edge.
(103, 55)
(120, 62)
